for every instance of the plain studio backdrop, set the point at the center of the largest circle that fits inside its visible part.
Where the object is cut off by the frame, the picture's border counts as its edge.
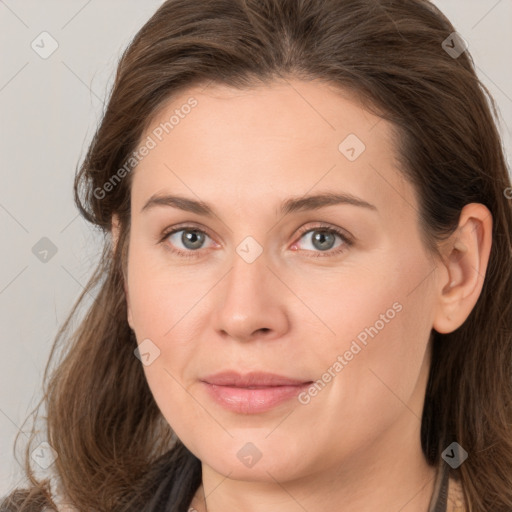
(57, 63)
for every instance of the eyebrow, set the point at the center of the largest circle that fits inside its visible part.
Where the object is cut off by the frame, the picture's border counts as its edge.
(291, 205)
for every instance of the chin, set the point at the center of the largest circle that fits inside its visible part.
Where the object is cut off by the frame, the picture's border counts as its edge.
(250, 464)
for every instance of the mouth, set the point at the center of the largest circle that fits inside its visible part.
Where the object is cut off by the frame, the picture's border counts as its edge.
(254, 392)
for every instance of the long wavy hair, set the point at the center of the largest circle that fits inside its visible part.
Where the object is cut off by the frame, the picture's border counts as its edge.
(115, 450)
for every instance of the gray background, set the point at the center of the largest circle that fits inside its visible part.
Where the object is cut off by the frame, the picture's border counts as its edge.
(49, 109)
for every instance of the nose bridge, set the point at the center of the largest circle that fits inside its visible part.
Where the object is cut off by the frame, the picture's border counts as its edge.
(250, 300)
(246, 282)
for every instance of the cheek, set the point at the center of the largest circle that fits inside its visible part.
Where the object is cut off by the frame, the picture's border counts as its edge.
(160, 297)
(184, 414)
(163, 303)
(357, 305)
(380, 327)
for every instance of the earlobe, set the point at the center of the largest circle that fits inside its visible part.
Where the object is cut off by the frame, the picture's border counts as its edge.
(129, 316)
(466, 256)
(115, 231)
(128, 307)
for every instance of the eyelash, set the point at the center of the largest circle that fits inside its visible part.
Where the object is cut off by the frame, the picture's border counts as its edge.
(347, 242)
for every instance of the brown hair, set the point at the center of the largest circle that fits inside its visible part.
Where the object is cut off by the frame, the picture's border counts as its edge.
(115, 451)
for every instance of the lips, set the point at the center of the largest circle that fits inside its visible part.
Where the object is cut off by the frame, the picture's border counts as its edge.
(253, 379)
(253, 392)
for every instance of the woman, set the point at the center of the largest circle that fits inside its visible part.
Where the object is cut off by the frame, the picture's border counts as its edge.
(303, 299)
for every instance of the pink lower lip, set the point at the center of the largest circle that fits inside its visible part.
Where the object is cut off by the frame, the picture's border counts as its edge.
(252, 401)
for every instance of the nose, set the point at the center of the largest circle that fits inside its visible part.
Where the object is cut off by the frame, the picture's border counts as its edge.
(251, 302)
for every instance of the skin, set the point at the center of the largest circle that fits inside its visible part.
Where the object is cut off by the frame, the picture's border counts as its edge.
(356, 442)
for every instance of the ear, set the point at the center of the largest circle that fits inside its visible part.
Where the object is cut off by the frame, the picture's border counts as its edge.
(465, 255)
(115, 229)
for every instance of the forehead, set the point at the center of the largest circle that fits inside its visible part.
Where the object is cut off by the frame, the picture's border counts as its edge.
(325, 113)
(290, 136)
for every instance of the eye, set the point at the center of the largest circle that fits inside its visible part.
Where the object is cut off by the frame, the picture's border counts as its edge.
(189, 237)
(323, 239)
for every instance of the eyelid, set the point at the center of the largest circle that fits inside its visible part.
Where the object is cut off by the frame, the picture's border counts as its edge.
(325, 226)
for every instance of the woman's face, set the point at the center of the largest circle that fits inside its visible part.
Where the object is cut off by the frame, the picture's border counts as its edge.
(255, 278)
